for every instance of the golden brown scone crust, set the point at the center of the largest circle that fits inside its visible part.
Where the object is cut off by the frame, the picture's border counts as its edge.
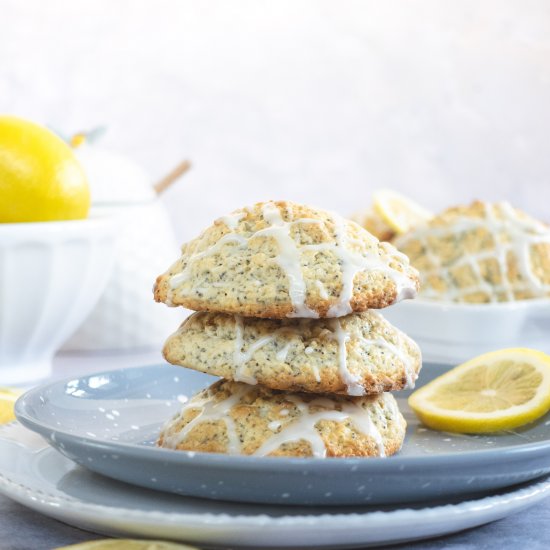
(481, 253)
(233, 268)
(257, 416)
(297, 354)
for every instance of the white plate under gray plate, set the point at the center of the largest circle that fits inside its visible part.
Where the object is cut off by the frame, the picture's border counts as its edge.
(37, 476)
(108, 422)
(450, 333)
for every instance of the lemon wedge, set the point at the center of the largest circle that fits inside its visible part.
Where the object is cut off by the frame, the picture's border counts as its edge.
(127, 544)
(398, 211)
(371, 220)
(500, 390)
(7, 401)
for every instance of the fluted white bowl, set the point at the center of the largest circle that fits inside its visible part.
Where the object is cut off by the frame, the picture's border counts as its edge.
(126, 317)
(450, 333)
(51, 275)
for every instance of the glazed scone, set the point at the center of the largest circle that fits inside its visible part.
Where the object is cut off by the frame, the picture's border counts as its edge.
(354, 355)
(481, 253)
(236, 418)
(280, 259)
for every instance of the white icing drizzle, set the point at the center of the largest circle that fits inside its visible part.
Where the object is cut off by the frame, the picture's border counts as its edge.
(282, 354)
(352, 381)
(232, 220)
(391, 405)
(316, 372)
(322, 290)
(289, 259)
(304, 427)
(523, 234)
(352, 263)
(241, 358)
(522, 245)
(410, 373)
(179, 278)
(208, 411)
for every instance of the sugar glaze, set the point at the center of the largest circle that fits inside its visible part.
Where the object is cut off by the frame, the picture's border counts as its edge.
(301, 428)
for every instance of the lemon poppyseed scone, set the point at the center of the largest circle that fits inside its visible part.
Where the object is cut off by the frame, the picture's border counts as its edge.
(280, 259)
(353, 355)
(481, 253)
(236, 418)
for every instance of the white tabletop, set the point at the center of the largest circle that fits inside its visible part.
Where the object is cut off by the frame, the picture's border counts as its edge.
(24, 529)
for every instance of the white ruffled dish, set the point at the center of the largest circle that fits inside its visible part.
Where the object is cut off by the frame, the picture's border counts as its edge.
(51, 276)
(35, 475)
(450, 333)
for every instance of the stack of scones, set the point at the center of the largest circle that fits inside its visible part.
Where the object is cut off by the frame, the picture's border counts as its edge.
(285, 298)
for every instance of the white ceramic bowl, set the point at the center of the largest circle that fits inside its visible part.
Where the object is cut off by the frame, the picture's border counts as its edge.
(126, 316)
(450, 333)
(51, 275)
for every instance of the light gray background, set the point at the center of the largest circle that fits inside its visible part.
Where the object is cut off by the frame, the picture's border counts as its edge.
(317, 101)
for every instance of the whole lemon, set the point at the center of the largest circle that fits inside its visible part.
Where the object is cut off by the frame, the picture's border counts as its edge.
(40, 177)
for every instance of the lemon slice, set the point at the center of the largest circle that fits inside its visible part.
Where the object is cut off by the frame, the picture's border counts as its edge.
(496, 391)
(398, 211)
(7, 400)
(371, 220)
(127, 544)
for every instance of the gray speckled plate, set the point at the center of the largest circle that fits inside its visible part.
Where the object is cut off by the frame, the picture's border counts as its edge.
(108, 423)
(35, 475)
